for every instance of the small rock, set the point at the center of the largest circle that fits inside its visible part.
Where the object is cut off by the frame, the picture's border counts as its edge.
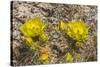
(52, 43)
(55, 36)
(54, 40)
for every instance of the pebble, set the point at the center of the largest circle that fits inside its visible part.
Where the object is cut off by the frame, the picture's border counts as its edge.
(54, 40)
(55, 36)
(52, 43)
(16, 35)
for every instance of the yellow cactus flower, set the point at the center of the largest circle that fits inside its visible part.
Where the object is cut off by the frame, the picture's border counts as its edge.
(62, 26)
(33, 31)
(32, 27)
(77, 30)
(28, 40)
(44, 57)
(43, 54)
(43, 37)
(68, 57)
